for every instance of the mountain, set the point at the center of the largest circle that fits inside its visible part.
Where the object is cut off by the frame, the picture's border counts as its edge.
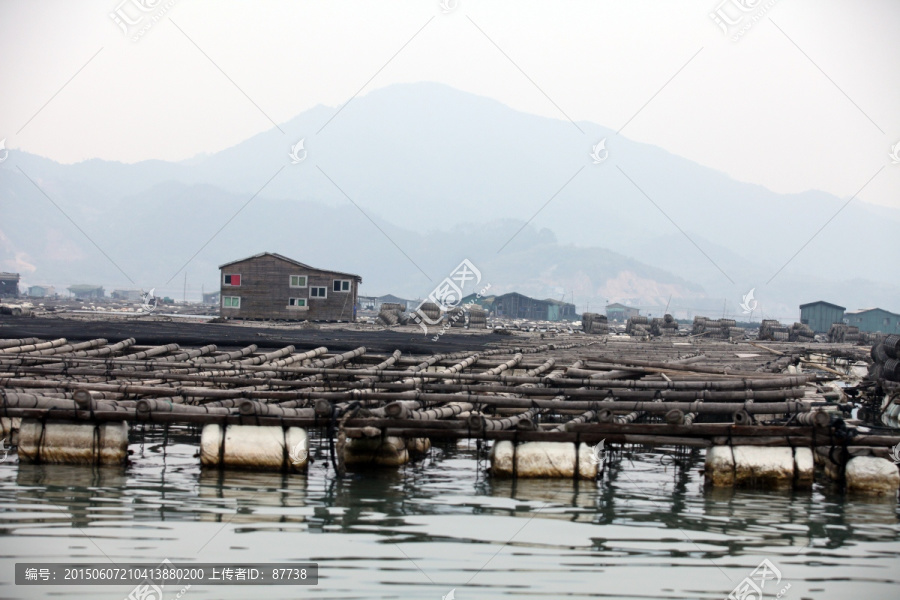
(449, 175)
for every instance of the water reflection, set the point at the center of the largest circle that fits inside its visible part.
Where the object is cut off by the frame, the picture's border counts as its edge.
(405, 532)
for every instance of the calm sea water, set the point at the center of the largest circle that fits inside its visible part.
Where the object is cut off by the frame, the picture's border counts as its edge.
(648, 529)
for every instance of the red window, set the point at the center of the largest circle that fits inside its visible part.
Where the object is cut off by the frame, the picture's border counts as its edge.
(233, 280)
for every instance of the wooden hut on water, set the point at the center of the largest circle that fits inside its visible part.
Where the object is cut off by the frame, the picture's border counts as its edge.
(272, 286)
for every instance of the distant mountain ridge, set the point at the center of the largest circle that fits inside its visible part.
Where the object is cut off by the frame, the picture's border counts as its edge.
(449, 175)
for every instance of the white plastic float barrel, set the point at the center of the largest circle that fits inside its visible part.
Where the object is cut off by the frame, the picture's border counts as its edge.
(759, 466)
(260, 447)
(873, 476)
(74, 443)
(543, 460)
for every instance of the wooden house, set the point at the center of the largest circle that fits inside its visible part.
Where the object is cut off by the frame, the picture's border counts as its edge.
(271, 286)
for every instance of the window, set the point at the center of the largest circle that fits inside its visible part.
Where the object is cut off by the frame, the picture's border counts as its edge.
(318, 292)
(297, 302)
(233, 280)
(341, 285)
(231, 301)
(298, 280)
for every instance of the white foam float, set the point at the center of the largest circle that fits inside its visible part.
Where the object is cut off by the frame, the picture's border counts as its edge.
(804, 467)
(719, 470)
(266, 447)
(74, 443)
(872, 475)
(543, 460)
(759, 466)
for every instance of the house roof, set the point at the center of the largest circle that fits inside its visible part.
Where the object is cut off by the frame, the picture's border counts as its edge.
(473, 297)
(866, 310)
(618, 305)
(545, 301)
(391, 298)
(558, 302)
(293, 262)
(802, 306)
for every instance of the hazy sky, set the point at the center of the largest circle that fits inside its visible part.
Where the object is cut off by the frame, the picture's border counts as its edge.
(806, 98)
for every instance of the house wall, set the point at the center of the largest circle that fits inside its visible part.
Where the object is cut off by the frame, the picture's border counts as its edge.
(621, 314)
(515, 306)
(820, 317)
(877, 320)
(9, 288)
(265, 289)
(98, 292)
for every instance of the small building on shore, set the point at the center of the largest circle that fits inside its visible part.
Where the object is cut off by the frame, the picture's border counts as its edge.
(272, 286)
(820, 315)
(485, 302)
(212, 297)
(41, 291)
(375, 302)
(620, 312)
(87, 291)
(129, 295)
(874, 320)
(518, 306)
(9, 285)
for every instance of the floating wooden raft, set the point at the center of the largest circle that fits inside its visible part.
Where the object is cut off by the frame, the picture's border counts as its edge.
(384, 408)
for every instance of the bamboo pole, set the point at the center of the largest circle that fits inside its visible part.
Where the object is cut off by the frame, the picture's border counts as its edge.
(32, 347)
(10, 343)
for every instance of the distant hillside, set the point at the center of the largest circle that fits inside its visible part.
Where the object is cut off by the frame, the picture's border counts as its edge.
(449, 175)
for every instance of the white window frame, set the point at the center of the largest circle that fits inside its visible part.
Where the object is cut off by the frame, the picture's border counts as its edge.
(304, 306)
(318, 287)
(232, 298)
(305, 281)
(224, 275)
(342, 281)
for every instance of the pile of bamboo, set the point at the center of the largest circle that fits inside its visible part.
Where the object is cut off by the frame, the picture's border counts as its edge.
(637, 326)
(477, 317)
(886, 357)
(594, 323)
(725, 329)
(666, 326)
(840, 333)
(390, 313)
(801, 332)
(456, 316)
(773, 330)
